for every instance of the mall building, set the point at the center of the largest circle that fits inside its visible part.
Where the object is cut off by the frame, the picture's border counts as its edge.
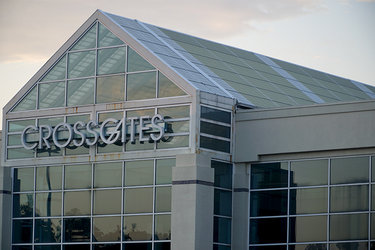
(137, 137)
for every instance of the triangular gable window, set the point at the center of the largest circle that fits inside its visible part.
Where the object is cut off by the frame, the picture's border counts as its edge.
(106, 38)
(57, 72)
(87, 41)
(28, 102)
(167, 88)
(88, 74)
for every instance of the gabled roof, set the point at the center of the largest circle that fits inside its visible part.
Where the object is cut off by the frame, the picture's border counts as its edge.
(252, 79)
(195, 64)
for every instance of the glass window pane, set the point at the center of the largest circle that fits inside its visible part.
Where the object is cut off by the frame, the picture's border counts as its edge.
(163, 199)
(87, 41)
(349, 227)
(140, 112)
(20, 153)
(51, 95)
(52, 121)
(48, 178)
(308, 200)
(106, 247)
(138, 246)
(215, 115)
(23, 205)
(107, 201)
(136, 62)
(349, 246)
(22, 247)
(215, 129)
(372, 197)
(76, 247)
(349, 170)
(214, 144)
(308, 229)
(75, 118)
(138, 200)
(57, 72)
(173, 142)
(23, 179)
(222, 202)
(107, 228)
(77, 176)
(274, 247)
(19, 125)
(349, 198)
(71, 149)
(162, 246)
(108, 174)
(47, 247)
(80, 92)
(107, 38)
(177, 126)
(108, 148)
(141, 86)
(164, 170)
(269, 175)
(77, 203)
(14, 140)
(48, 204)
(373, 168)
(47, 230)
(373, 226)
(222, 230)
(137, 146)
(168, 88)
(22, 231)
(48, 152)
(137, 227)
(81, 64)
(223, 174)
(139, 173)
(175, 112)
(111, 61)
(221, 247)
(268, 230)
(162, 227)
(308, 173)
(308, 247)
(110, 89)
(76, 230)
(28, 102)
(265, 203)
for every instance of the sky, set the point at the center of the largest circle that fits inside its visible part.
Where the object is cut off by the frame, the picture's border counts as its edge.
(333, 36)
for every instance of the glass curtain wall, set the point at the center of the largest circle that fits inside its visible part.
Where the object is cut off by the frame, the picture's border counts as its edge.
(313, 204)
(98, 68)
(111, 205)
(223, 189)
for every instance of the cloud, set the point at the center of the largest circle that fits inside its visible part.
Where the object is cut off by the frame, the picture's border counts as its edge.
(34, 30)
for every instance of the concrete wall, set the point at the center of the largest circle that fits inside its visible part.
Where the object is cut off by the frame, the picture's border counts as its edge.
(192, 202)
(346, 126)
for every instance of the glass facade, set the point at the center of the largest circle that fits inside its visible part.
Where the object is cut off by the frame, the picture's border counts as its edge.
(223, 188)
(176, 125)
(215, 129)
(105, 205)
(312, 204)
(98, 68)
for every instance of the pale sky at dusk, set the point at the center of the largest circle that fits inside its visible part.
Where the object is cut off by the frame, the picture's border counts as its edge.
(334, 36)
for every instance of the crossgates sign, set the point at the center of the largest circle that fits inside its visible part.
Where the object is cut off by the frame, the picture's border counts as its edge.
(146, 128)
